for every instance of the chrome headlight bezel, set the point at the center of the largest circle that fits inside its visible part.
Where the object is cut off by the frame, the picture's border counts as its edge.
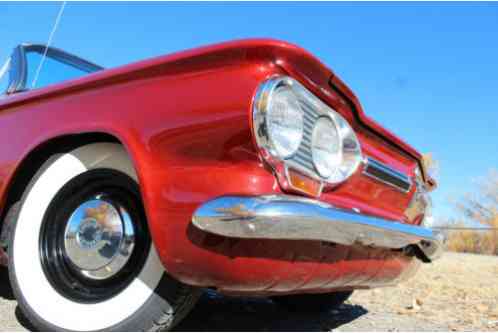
(261, 118)
(351, 156)
(302, 160)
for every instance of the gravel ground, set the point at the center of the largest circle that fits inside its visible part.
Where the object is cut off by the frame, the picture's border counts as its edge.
(459, 292)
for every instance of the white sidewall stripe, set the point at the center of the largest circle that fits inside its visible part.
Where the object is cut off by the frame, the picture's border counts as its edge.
(43, 299)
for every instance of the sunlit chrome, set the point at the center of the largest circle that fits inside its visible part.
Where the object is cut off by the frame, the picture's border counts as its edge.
(387, 175)
(99, 238)
(296, 218)
(420, 205)
(261, 111)
(312, 110)
(4, 76)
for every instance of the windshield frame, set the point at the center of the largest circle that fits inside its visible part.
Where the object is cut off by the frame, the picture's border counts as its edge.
(5, 72)
(18, 64)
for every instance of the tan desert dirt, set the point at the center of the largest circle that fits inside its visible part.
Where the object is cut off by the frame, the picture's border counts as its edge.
(457, 293)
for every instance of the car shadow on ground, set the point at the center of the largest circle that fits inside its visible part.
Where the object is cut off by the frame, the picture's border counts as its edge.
(218, 313)
(5, 290)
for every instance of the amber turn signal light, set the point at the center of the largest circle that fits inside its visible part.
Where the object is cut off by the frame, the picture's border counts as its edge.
(303, 183)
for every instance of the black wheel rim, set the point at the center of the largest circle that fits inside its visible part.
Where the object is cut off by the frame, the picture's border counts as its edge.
(115, 188)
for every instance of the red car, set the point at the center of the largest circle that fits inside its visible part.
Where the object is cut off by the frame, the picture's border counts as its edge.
(247, 167)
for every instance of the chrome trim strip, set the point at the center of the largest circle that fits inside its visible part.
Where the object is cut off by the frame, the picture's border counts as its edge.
(297, 218)
(387, 175)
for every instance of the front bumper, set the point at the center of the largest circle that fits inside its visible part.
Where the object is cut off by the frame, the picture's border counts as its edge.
(296, 218)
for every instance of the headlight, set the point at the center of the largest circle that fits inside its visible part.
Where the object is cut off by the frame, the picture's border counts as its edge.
(284, 120)
(326, 147)
(335, 148)
(351, 151)
(297, 132)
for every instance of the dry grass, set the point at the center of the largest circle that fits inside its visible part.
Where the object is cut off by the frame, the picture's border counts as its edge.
(478, 206)
(475, 241)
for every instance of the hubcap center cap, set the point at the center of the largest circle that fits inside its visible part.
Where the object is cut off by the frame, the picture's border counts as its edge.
(89, 234)
(99, 238)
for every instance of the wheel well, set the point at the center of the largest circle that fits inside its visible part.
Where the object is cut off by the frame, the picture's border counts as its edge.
(35, 159)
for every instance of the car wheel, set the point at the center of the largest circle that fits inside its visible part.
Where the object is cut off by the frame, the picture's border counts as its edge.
(80, 253)
(313, 303)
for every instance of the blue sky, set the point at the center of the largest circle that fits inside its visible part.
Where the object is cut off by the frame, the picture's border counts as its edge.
(426, 71)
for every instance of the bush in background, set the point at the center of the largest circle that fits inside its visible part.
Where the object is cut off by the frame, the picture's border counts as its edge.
(474, 241)
(478, 209)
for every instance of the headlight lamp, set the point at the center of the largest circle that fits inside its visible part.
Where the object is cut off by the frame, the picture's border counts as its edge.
(284, 120)
(335, 148)
(326, 147)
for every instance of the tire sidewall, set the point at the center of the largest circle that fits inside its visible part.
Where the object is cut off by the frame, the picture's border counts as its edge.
(45, 307)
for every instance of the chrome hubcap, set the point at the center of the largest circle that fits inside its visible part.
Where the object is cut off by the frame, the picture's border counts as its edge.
(99, 238)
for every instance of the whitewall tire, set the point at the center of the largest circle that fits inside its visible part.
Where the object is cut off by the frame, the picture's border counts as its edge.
(74, 272)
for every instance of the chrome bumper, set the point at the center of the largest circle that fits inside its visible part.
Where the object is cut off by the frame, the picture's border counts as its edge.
(296, 218)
